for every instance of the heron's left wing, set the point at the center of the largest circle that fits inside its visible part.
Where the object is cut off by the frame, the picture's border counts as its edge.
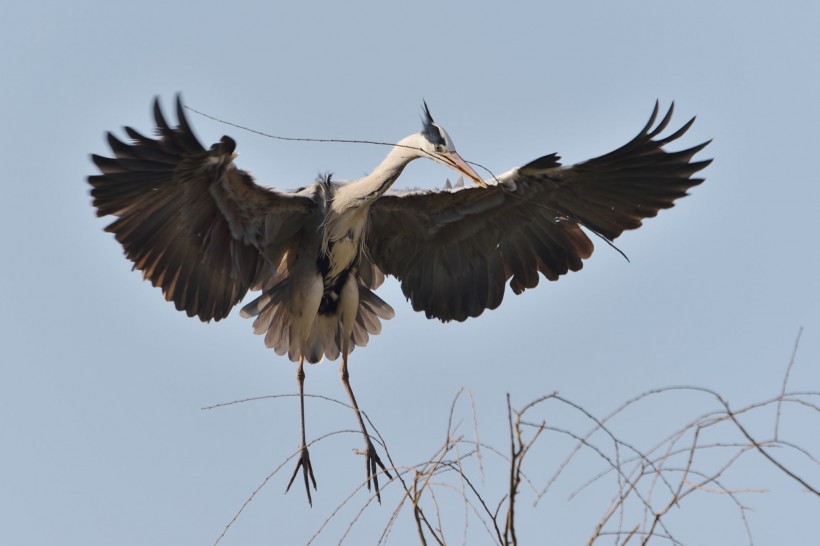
(454, 250)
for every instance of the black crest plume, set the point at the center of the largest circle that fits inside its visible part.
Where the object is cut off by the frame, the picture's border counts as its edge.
(429, 130)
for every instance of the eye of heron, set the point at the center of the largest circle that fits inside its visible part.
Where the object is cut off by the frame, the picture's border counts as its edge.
(439, 148)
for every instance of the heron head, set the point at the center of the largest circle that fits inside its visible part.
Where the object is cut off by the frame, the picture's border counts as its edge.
(438, 146)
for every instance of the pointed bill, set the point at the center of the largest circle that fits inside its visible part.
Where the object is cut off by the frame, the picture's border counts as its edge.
(456, 162)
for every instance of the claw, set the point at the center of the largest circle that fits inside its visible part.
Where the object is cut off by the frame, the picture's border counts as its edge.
(372, 463)
(307, 470)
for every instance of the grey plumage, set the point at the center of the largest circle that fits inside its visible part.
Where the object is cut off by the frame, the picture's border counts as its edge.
(454, 251)
(203, 231)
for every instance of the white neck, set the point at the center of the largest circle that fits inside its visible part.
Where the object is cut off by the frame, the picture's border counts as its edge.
(347, 218)
(372, 186)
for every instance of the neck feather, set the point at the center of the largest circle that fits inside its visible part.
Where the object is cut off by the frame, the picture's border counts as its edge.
(372, 186)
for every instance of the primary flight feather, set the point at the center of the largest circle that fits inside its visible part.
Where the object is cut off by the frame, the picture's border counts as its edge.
(203, 231)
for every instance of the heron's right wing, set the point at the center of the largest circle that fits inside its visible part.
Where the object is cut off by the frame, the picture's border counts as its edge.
(188, 218)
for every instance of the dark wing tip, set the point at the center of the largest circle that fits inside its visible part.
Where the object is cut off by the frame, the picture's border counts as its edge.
(664, 122)
(184, 126)
(159, 118)
(165, 204)
(545, 162)
(652, 117)
(225, 147)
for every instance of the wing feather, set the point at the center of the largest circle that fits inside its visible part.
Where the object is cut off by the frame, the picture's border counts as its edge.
(454, 251)
(193, 223)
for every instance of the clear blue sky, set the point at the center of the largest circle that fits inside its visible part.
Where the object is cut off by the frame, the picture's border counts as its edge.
(102, 381)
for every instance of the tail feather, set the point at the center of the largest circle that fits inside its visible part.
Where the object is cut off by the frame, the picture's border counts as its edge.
(360, 336)
(278, 333)
(277, 324)
(370, 321)
(375, 304)
(325, 339)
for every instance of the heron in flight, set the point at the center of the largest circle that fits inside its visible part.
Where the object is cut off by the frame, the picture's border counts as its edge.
(201, 229)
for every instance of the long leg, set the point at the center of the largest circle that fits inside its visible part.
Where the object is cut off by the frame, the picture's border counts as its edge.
(304, 456)
(371, 457)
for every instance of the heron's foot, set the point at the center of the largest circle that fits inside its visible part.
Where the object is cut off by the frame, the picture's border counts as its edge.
(372, 464)
(307, 470)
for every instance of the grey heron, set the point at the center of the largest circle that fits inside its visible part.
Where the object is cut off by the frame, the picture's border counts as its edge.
(203, 231)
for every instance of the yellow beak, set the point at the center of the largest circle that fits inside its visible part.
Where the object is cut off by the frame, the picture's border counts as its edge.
(456, 162)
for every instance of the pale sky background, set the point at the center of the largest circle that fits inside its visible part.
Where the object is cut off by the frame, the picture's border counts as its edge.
(102, 381)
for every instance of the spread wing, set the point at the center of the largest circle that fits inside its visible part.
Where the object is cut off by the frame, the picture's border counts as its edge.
(191, 221)
(454, 250)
